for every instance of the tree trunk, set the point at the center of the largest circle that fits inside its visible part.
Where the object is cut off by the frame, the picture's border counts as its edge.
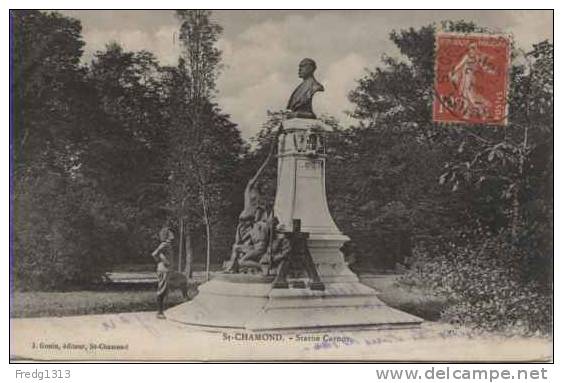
(180, 241)
(208, 236)
(188, 252)
(207, 233)
(208, 261)
(204, 204)
(515, 219)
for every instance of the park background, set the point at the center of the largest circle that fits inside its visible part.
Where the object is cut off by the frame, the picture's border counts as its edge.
(110, 144)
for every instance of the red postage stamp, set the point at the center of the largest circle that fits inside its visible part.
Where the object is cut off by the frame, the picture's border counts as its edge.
(471, 79)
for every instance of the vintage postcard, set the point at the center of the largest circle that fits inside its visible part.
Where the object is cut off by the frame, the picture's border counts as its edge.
(281, 185)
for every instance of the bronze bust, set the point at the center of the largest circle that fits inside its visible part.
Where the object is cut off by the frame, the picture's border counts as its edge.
(300, 103)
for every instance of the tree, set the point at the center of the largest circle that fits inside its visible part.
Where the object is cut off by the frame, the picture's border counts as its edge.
(46, 88)
(205, 145)
(89, 163)
(57, 241)
(124, 153)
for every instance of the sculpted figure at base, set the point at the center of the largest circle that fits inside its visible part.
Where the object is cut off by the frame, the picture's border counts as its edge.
(251, 238)
(252, 245)
(242, 241)
(300, 103)
(266, 247)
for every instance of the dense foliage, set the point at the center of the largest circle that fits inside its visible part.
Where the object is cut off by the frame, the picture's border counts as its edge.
(103, 152)
(475, 202)
(60, 235)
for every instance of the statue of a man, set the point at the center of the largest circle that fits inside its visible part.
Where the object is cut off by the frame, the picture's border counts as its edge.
(300, 103)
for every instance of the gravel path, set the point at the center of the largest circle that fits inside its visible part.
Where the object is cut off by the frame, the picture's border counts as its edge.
(140, 336)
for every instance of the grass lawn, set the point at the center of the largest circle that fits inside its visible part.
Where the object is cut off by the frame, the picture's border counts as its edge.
(39, 304)
(143, 298)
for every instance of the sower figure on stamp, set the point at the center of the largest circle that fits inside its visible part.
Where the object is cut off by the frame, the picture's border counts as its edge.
(463, 77)
(161, 255)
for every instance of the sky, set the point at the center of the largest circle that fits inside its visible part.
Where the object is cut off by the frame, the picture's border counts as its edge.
(262, 49)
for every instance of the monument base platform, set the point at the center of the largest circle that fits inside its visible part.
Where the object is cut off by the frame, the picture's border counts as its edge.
(230, 303)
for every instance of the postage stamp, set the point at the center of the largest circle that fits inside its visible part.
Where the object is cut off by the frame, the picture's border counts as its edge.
(471, 78)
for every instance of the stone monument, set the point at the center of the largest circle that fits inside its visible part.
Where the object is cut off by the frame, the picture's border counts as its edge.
(286, 270)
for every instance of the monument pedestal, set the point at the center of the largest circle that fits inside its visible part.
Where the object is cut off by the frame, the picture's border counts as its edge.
(259, 307)
(251, 302)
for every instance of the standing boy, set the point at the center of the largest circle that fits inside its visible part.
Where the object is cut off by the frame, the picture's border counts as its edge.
(162, 271)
